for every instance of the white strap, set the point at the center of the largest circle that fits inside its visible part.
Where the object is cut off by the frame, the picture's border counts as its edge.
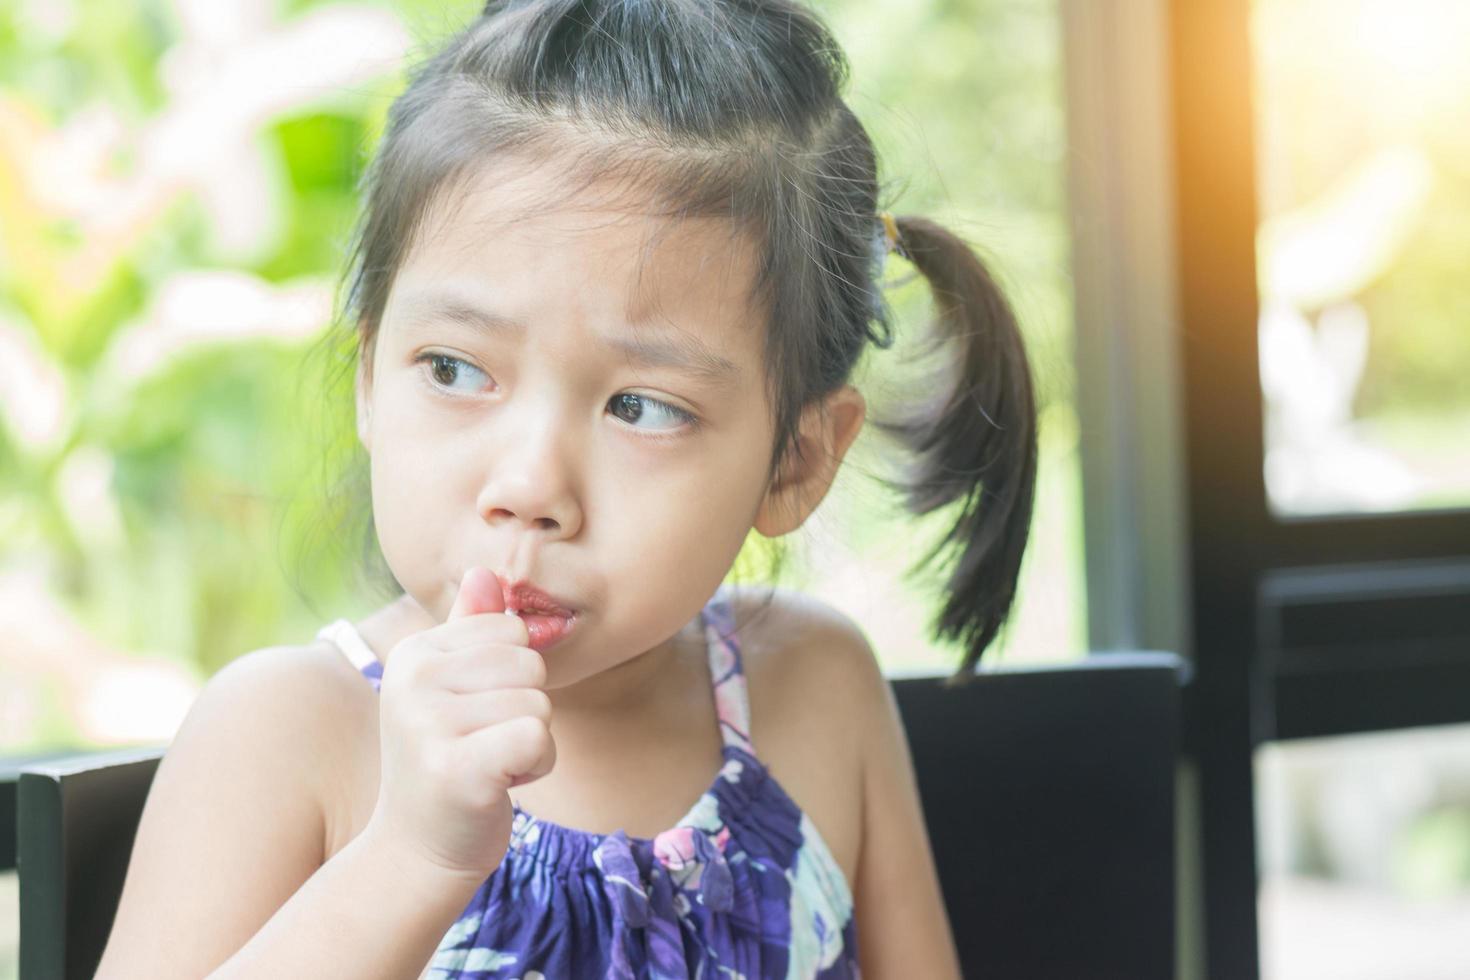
(349, 641)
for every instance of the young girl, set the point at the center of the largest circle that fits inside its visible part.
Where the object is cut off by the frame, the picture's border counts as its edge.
(616, 263)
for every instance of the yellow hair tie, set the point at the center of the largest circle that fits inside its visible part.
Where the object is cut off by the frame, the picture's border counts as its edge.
(890, 232)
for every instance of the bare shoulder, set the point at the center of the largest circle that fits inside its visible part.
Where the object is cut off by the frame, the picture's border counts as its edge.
(302, 677)
(280, 710)
(798, 644)
(284, 696)
(314, 714)
(238, 799)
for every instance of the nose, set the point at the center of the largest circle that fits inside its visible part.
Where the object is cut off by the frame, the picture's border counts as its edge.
(529, 481)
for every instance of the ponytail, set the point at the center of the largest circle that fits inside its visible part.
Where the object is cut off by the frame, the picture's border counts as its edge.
(976, 442)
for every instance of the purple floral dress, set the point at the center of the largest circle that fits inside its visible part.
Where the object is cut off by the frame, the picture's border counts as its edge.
(742, 887)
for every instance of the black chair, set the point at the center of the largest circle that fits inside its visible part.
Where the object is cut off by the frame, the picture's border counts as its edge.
(1049, 796)
(75, 821)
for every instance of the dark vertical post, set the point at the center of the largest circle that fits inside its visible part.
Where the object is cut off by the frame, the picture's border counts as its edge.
(1215, 185)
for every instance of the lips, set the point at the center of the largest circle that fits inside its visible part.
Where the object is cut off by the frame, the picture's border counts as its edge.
(544, 632)
(524, 598)
(548, 619)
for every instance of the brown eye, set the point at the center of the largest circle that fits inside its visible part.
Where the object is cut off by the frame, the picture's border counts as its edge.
(634, 408)
(446, 371)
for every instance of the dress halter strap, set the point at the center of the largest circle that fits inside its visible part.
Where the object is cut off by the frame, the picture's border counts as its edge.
(727, 670)
(346, 638)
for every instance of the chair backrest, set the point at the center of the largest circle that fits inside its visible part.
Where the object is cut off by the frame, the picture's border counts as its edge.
(1048, 793)
(75, 822)
(1049, 799)
(10, 767)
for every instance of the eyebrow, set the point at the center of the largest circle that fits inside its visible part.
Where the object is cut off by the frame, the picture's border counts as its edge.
(677, 351)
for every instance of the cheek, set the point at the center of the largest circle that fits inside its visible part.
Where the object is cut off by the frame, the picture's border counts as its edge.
(406, 470)
(399, 525)
(674, 549)
(682, 510)
(416, 446)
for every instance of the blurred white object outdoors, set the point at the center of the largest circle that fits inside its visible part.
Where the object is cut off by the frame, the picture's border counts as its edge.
(1314, 339)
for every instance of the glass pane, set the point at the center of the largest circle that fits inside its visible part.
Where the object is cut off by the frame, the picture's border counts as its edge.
(1364, 845)
(1363, 163)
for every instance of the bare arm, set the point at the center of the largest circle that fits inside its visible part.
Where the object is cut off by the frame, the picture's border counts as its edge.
(229, 849)
(903, 929)
(368, 912)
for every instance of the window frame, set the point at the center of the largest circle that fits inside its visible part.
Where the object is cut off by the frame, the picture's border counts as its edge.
(1183, 551)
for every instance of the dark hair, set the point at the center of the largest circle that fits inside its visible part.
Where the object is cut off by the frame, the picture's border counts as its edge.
(734, 108)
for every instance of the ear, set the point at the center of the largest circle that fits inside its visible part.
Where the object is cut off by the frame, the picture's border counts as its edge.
(825, 433)
(364, 387)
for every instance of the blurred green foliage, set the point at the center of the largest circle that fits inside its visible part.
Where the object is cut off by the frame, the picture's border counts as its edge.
(218, 461)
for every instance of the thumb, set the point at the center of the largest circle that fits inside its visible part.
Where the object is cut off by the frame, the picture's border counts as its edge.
(479, 592)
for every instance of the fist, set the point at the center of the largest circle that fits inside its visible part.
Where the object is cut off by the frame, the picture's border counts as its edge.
(464, 717)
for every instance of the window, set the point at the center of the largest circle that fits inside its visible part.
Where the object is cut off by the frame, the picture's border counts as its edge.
(1363, 177)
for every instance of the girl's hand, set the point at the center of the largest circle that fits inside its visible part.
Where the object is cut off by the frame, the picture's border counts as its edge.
(464, 718)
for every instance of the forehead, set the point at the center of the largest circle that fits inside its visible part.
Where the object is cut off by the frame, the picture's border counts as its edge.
(535, 244)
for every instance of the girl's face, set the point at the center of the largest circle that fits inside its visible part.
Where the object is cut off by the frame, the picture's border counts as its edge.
(540, 405)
